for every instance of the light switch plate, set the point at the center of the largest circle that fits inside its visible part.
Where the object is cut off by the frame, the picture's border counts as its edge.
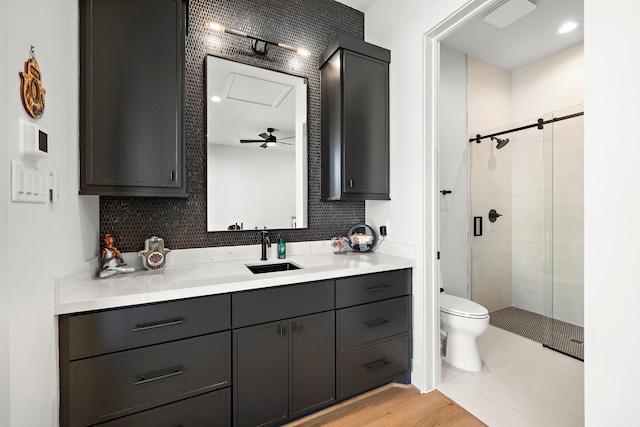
(28, 185)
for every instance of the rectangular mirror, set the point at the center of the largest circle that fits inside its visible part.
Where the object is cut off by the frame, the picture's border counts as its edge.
(256, 148)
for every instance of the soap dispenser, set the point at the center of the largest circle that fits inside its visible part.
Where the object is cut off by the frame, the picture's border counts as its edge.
(282, 248)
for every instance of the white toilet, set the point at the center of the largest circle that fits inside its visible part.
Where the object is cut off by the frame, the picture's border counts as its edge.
(463, 320)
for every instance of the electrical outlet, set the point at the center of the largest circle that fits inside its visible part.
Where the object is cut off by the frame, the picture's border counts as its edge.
(384, 227)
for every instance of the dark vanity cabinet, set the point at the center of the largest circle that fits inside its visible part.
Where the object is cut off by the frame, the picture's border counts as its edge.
(355, 120)
(137, 365)
(284, 366)
(132, 137)
(252, 358)
(373, 331)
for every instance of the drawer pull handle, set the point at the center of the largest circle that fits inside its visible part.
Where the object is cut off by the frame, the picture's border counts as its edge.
(375, 323)
(147, 326)
(220, 383)
(376, 365)
(144, 380)
(379, 288)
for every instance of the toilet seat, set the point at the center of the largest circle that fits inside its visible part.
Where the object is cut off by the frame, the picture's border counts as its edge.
(462, 307)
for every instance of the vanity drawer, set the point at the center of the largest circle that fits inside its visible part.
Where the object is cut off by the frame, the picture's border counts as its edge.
(211, 410)
(283, 302)
(365, 324)
(102, 332)
(372, 287)
(369, 367)
(106, 387)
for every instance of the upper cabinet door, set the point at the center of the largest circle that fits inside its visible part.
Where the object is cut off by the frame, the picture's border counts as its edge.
(355, 120)
(365, 148)
(132, 139)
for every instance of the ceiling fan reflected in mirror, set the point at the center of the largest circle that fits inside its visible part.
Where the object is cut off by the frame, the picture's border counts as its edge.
(268, 140)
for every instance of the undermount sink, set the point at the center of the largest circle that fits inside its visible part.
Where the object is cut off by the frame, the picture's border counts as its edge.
(270, 268)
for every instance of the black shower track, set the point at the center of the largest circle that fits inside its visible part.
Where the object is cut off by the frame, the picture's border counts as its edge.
(539, 124)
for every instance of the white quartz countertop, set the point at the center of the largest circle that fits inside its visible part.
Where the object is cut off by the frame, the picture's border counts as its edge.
(195, 273)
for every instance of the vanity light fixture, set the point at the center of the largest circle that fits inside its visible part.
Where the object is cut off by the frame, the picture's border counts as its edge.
(567, 27)
(258, 45)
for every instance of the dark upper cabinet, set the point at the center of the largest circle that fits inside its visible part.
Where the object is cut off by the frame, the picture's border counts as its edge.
(355, 120)
(132, 138)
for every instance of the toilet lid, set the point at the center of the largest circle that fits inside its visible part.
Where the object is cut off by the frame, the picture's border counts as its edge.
(462, 307)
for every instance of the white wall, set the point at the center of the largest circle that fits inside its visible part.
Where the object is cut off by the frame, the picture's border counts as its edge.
(453, 172)
(612, 150)
(42, 240)
(4, 219)
(400, 27)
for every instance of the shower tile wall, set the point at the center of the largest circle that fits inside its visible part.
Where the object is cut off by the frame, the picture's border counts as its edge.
(489, 91)
(507, 262)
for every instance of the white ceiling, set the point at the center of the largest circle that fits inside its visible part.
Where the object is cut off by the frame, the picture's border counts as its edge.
(530, 38)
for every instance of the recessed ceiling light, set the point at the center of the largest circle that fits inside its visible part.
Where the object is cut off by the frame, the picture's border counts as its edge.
(568, 26)
(216, 99)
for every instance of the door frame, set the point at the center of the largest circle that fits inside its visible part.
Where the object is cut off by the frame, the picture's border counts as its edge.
(431, 84)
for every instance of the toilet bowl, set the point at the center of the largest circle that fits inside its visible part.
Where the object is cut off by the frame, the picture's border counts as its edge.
(463, 321)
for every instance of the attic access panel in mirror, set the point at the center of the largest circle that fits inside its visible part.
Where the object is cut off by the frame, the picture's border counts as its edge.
(256, 147)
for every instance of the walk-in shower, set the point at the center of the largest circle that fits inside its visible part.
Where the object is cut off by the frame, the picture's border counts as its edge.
(527, 263)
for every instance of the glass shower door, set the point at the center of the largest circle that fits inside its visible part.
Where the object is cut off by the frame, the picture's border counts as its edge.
(563, 276)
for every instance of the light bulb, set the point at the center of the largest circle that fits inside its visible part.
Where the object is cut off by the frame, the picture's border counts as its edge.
(215, 26)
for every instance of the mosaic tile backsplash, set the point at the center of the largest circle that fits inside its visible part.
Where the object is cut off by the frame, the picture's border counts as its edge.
(183, 222)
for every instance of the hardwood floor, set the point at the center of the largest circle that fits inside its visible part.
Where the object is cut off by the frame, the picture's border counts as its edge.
(390, 406)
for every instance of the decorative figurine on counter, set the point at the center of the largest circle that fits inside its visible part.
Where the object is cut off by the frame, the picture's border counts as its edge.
(155, 254)
(112, 261)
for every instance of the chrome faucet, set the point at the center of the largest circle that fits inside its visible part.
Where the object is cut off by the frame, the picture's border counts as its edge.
(265, 244)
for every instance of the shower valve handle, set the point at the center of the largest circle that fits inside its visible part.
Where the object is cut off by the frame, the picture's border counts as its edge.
(493, 215)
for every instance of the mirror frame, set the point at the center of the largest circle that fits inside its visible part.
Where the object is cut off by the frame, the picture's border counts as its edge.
(301, 190)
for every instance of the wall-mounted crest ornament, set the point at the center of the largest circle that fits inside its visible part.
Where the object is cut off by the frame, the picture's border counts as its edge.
(31, 90)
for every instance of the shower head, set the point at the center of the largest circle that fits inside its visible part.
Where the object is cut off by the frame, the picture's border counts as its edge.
(501, 142)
